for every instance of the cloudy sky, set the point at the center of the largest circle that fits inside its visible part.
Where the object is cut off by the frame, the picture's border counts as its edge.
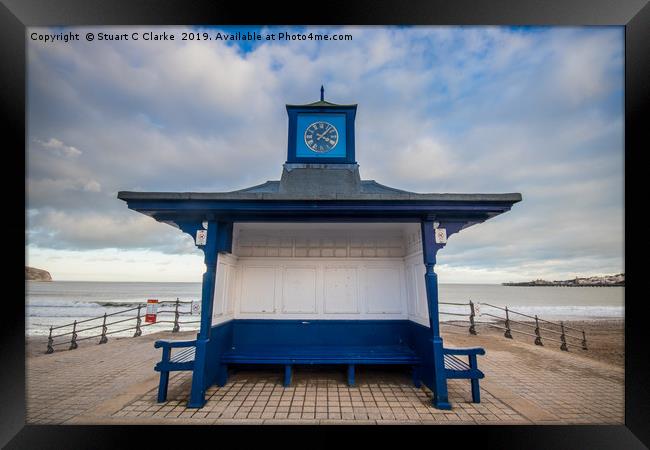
(441, 109)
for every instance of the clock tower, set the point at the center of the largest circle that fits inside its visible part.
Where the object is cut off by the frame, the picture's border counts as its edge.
(321, 133)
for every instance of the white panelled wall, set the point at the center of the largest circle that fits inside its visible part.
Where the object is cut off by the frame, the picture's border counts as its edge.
(322, 271)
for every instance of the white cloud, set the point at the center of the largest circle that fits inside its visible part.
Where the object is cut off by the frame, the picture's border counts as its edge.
(114, 264)
(582, 74)
(58, 229)
(59, 148)
(48, 187)
(425, 160)
(92, 186)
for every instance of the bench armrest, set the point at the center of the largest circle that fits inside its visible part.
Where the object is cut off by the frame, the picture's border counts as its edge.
(174, 344)
(464, 351)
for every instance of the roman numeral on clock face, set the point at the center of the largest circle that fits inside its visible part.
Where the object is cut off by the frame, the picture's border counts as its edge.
(321, 137)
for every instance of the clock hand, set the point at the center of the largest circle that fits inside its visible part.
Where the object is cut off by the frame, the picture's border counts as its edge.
(324, 132)
(329, 141)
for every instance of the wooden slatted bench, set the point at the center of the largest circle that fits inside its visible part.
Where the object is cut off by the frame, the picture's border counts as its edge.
(348, 355)
(456, 368)
(181, 360)
(287, 344)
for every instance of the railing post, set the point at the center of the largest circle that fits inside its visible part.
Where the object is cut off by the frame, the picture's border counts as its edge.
(563, 338)
(472, 326)
(538, 338)
(138, 331)
(103, 339)
(507, 333)
(73, 342)
(50, 341)
(176, 327)
(584, 340)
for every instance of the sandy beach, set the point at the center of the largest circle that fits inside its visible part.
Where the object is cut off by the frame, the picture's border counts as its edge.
(605, 339)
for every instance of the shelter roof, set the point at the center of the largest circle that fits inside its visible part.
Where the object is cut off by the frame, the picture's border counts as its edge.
(322, 182)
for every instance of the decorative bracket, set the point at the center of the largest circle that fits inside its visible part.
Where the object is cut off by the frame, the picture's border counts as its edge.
(431, 245)
(223, 237)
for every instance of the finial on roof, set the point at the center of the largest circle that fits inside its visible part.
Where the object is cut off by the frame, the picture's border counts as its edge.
(322, 93)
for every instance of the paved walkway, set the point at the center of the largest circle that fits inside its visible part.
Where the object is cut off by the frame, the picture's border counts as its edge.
(115, 384)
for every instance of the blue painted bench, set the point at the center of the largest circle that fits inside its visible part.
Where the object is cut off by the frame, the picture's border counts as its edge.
(455, 368)
(342, 342)
(288, 356)
(328, 342)
(181, 360)
(345, 355)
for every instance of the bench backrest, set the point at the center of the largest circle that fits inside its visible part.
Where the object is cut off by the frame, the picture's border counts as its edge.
(301, 333)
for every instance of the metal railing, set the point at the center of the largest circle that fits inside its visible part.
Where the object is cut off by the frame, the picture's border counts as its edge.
(559, 335)
(470, 323)
(103, 336)
(471, 315)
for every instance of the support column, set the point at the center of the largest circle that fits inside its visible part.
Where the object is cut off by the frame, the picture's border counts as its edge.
(197, 395)
(429, 250)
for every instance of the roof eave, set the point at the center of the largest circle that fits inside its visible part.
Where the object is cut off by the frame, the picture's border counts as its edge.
(322, 105)
(275, 196)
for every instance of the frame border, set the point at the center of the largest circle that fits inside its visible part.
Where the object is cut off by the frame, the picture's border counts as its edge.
(16, 15)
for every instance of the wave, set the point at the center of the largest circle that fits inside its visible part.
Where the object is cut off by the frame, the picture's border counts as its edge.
(556, 312)
(85, 310)
(123, 304)
(83, 304)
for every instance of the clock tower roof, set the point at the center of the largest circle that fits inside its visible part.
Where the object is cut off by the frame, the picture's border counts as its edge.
(322, 103)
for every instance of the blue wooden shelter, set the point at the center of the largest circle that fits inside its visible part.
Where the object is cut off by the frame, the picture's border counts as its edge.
(319, 267)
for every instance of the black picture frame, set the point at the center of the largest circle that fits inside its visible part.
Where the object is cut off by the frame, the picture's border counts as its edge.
(15, 15)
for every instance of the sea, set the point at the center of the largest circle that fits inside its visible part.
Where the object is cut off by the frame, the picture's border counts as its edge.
(57, 303)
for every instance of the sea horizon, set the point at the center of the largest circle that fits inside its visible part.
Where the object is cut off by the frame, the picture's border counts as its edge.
(55, 303)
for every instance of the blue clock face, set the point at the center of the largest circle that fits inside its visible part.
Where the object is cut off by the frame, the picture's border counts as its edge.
(321, 137)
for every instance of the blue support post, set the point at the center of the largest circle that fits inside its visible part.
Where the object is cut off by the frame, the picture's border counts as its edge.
(222, 375)
(429, 250)
(162, 387)
(416, 376)
(476, 392)
(287, 375)
(197, 395)
(350, 374)
(164, 376)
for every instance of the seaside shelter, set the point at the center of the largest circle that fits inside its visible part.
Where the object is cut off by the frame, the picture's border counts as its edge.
(321, 266)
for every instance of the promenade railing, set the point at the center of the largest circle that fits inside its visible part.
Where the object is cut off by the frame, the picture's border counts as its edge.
(134, 322)
(470, 314)
(119, 323)
(555, 331)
